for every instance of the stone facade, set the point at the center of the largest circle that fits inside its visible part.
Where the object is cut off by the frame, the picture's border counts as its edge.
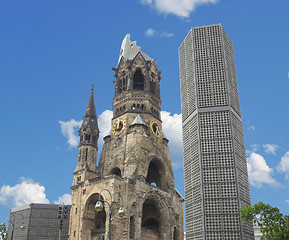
(134, 162)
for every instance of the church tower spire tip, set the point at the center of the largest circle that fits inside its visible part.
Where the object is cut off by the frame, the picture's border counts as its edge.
(90, 116)
(88, 138)
(89, 131)
(92, 88)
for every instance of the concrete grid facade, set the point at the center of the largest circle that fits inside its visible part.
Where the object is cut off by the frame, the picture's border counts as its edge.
(40, 221)
(215, 168)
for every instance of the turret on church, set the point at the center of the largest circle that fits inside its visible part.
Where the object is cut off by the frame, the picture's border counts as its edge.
(134, 161)
(87, 149)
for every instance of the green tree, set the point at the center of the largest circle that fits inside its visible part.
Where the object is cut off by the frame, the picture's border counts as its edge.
(3, 231)
(274, 225)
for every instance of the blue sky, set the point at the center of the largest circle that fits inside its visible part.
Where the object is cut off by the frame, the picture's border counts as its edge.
(52, 51)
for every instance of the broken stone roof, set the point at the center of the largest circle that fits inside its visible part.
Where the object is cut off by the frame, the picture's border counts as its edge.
(129, 50)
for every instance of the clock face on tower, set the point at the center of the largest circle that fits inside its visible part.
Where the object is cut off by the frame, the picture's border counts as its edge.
(118, 127)
(156, 128)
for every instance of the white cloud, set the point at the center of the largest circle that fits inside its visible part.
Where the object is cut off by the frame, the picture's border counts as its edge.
(181, 8)
(283, 166)
(254, 148)
(150, 32)
(270, 148)
(172, 128)
(166, 34)
(259, 172)
(104, 123)
(68, 130)
(23, 193)
(287, 201)
(251, 128)
(65, 199)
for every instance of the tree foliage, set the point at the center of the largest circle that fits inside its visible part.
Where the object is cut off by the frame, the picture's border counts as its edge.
(274, 225)
(3, 231)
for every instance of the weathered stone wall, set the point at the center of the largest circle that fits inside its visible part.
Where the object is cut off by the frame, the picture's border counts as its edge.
(135, 193)
(135, 162)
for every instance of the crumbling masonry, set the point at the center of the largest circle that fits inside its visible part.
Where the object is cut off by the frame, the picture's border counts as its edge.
(134, 161)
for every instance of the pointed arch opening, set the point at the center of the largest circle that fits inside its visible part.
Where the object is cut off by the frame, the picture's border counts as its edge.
(94, 223)
(122, 83)
(150, 220)
(156, 175)
(138, 80)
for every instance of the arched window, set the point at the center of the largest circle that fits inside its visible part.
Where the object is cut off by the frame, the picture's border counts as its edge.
(131, 228)
(87, 137)
(94, 222)
(154, 175)
(115, 171)
(119, 85)
(122, 84)
(150, 218)
(138, 80)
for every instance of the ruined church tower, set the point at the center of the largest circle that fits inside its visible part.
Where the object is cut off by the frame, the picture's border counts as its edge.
(134, 161)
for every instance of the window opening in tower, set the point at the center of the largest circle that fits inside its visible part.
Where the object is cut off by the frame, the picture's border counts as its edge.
(138, 80)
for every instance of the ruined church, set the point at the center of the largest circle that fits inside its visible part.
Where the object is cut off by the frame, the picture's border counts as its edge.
(134, 174)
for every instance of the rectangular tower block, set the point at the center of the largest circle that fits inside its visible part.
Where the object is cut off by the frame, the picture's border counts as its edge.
(215, 167)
